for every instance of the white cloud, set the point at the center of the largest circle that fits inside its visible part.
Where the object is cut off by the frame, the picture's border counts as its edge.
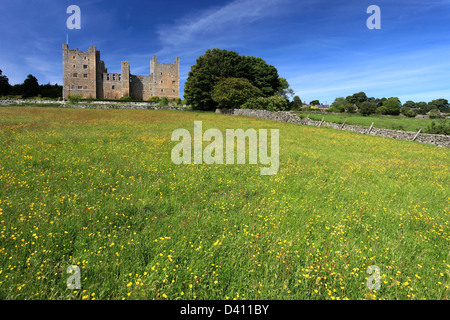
(215, 25)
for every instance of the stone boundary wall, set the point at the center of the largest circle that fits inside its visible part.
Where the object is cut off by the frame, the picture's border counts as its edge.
(121, 106)
(7, 102)
(282, 116)
(95, 104)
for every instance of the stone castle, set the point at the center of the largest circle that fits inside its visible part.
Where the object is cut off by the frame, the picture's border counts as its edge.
(85, 74)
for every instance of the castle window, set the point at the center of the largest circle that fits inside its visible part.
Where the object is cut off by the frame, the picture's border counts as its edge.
(85, 75)
(114, 77)
(107, 77)
(80, 87)
(120, 78)
(162, 90)
(162, 81)
(75, 75)
(84, 66)
(173, 91)
(86, 87)
(173, 82)
(161, 73)
(73, 66)
(73, 57)
(113, 87)
(73, 86)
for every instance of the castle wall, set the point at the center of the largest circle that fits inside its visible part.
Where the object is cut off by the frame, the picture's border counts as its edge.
(141, 87)
(112, 86)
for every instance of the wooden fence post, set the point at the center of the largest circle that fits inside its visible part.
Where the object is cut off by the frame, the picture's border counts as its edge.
(321, 122)
(370, 129)
(342, 127)
(417, 134)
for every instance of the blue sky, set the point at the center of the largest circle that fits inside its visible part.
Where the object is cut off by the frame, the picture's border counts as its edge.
(323, 48)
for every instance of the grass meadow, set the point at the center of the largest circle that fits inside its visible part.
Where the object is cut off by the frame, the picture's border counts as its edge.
(98, 189)
(379, 121)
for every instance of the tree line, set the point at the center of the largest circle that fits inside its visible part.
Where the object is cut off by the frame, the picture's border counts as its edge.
(359, 102)
(29, 88)
(225, 79)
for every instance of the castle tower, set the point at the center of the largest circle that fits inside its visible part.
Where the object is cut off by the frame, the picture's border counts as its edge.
(125, 79)
(166, 78)
(80, 72)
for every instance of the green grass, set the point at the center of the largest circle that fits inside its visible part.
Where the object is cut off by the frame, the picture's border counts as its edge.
(98, 189)
(380, 121)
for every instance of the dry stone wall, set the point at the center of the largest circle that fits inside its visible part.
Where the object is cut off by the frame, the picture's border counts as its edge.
(281, 116)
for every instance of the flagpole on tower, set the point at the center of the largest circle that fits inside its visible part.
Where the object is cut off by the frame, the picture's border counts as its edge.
(67, 38)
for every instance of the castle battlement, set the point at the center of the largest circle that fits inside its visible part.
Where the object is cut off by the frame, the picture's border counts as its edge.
(85, 74)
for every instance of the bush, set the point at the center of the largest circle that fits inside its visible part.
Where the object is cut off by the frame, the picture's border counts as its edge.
(154, 99)
(443, 127)
(163, 102)
(125, 98)
(336, 108)
(74, 98)
(258, 103)
(434, 114)
(273, 103)
(406, 111)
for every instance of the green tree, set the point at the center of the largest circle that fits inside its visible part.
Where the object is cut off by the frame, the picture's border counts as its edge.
(30, 87)
(349, 107)
(338, 101)
(296, 103)
(406, 111)
(423, 107)
(440, 104)
(314, 103)
(233, 92)
(50, 90)
(409, 104)
(337, 105)
(391, 106)
(285, 90)
(357, 98)
(217, 64)
(367, 108)
(5, 87)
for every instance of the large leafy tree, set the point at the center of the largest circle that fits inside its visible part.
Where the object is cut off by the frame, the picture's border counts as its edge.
(5, 87)
(217, 64)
